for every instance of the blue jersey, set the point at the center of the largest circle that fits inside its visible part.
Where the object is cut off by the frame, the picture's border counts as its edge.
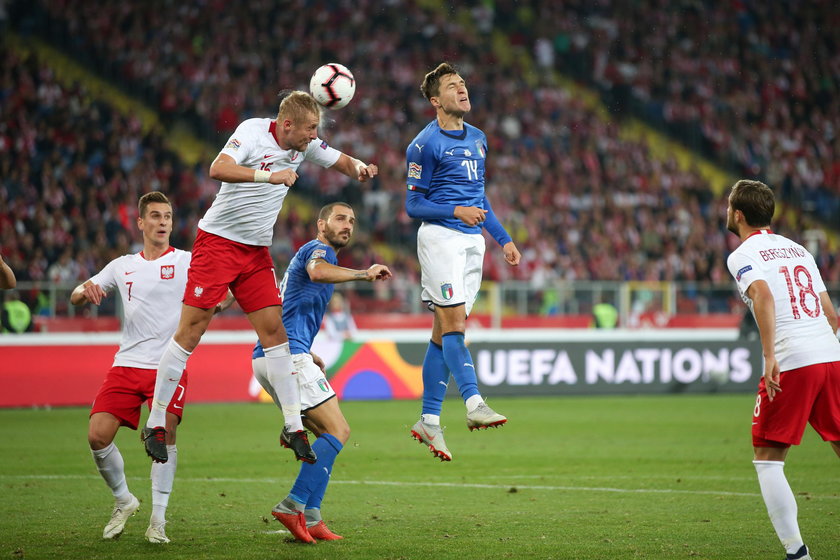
(304, 301)
(447, 166)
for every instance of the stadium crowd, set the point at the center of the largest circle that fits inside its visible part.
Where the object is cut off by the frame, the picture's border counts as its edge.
(752, 84)
(581, 202)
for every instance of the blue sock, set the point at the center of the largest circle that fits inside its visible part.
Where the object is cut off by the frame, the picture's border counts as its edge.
(460, 363)
(435, 379)
(311, 483)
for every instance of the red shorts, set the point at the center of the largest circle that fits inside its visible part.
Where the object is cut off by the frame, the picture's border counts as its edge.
(125, 389)
(218, 264)
(810, 394)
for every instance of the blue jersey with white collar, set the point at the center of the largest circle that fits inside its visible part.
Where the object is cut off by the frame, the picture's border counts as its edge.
(447, 167)
(304, 301)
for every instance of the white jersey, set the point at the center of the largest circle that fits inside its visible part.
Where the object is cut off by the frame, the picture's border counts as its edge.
(151, 293)
(246, 212)
(803, 334)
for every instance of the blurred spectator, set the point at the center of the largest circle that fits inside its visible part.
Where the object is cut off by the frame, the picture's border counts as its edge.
(604, 315)
(752, 84)
(581, 201)
(338, 322)
(15, 316)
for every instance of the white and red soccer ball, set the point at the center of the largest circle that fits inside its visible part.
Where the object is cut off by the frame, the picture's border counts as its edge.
(332, 85)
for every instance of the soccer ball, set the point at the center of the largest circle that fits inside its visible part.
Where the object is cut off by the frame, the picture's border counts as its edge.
(332, 85)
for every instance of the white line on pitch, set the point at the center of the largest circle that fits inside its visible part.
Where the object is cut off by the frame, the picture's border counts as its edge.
(437, 485)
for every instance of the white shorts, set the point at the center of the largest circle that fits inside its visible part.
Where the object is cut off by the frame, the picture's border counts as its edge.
(314, 387)
(450, 266)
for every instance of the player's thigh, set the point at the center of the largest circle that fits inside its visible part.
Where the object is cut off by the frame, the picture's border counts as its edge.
(216, 262)
(268, 324)
(261, 375)
(122, 393)
(318, 399)
(256, 285)
(473, 266)
(191, 326)
(825, 415)
(175, 409)
(443, 255)
(782, 421)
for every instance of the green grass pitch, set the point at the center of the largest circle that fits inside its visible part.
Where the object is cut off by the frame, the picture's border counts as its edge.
(663, 477)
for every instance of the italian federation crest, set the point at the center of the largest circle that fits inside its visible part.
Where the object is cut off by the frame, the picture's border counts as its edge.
(480, 147)
(446, 291)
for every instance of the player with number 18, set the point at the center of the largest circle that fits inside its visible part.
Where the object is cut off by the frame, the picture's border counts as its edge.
(779, 281)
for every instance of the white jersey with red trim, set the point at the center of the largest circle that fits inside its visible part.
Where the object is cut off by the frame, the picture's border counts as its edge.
(803, 334)
(246, 212)
(151, 292)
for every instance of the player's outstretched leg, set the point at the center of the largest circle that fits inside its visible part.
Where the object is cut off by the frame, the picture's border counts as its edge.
(483, 417)
(122, 511)
(431, 435)
(154, 440)
(292, 518)
(299, 443)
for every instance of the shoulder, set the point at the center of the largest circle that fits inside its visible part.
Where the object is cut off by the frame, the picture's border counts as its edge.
(791, 243)
(253, 128)
(426, 144)
(123, 263)
(318, 250)
(474, 130)
(426, 134)
(126, 260)
(182, 255)
(742, 260)
(256, 123)
(318, 144)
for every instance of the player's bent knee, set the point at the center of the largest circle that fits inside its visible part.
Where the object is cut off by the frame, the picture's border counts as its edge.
(98, 440)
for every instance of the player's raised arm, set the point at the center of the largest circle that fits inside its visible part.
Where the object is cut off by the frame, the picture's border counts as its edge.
(224, 168)
(321, 271)
(355, 169)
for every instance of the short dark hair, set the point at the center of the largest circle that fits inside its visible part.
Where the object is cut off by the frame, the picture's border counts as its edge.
(431, 82)
(327, 210)
(755, 200)
(149, 198)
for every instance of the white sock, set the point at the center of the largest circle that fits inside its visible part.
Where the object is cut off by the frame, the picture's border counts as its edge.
(473, 402)
(109, 462)
(283, 378)
(163, 476)
(170, 370)
(432, 419)
(780, 502)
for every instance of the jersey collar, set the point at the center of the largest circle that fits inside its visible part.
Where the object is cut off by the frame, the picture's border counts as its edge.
(766, 231)
(170, 250)
(272, 128)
